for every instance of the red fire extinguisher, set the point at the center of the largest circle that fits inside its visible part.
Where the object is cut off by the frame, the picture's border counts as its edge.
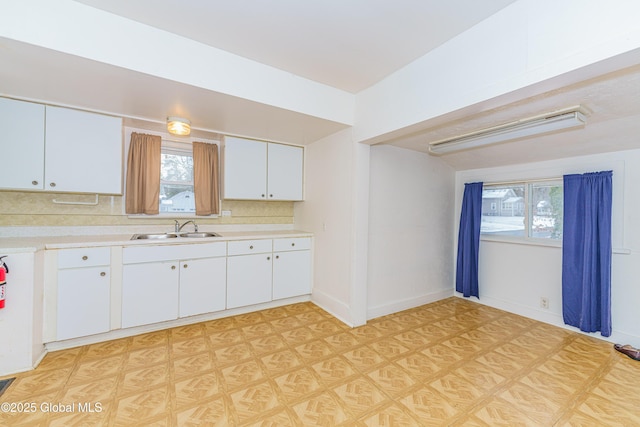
(3, 280)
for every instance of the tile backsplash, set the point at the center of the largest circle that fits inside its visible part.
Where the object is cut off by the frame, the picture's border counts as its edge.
(38, 209)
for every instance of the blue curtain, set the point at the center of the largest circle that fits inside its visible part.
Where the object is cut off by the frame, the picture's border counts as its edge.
(469, 240)
(586, 252)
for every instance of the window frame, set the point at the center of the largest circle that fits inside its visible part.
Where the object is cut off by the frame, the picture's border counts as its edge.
(169, 140)
(528, 213)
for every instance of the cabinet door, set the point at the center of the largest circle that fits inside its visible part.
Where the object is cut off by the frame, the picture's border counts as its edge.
(285, 171)
(291, 274)
(83, 302)
(149, 293)
(245, 169)
(248, 279)
(21, 145)
(202, 286)
(83, 152)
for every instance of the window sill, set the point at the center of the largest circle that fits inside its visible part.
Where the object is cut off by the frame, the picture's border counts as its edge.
(172, 216)
(523, 241)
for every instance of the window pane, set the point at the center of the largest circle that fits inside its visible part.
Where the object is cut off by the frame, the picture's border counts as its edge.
(546, 210)
(176, 181)
(177, 167)
(177, 198)
(503, 211)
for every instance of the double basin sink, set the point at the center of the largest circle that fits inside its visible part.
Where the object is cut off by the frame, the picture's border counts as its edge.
(161, 236)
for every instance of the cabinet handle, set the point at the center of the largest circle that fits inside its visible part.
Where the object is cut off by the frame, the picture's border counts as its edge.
(84, 258)
(173, 267)
(102, 273)
(52, 184)
(186, 265)
(34, 182)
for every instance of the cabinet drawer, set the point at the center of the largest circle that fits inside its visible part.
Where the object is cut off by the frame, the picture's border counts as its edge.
(138, 254)
(84, 257)
(292, 244)
(244, 247)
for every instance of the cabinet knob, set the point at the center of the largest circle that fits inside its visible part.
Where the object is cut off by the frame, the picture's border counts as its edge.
(84, 258)
(268, 258)
(34, 182)
(277, 256)
(173, 267)
(52, 184)
(270, 195)
(186, 265)
(293, 244)
(102, 273)
(262, 195)
(251, 247)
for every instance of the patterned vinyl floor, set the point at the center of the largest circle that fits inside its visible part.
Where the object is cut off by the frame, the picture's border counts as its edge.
(453, 362)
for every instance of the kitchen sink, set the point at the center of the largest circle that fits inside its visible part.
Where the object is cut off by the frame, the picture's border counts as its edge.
(162, 236)
(154, 236)
(199, 234)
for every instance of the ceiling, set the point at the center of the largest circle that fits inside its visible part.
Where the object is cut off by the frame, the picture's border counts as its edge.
(346, 44)
(349, 45)
(611, 101)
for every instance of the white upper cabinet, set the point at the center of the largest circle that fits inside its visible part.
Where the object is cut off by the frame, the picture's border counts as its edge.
(258, 170)
(245, 169)
(284, 172)
(83, 152)
(58, 149)
(21, 145)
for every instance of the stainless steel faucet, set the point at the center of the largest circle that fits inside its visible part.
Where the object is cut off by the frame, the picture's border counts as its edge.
(178, 227)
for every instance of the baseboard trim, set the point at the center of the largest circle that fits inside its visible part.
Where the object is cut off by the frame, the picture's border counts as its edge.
(128, 332)
(407, 303)
(335, 307)
(553, 319)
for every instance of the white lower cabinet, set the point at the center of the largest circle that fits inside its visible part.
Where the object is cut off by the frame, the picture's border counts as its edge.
(248, 272)
(202, 286)
(291, 274)
(149, 293)
(281, 268)
(161, 283)
(248, 280)
(83, 297)
(291, 267)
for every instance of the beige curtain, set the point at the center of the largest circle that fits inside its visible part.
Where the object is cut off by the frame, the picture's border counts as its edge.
(205, 178)
(143, 174)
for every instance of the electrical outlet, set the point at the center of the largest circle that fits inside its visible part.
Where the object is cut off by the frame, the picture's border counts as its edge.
(226, 213)
(544, 302)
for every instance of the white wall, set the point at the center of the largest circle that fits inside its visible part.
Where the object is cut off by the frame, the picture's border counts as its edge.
(410, 229)
(336, 190)
(514, 277)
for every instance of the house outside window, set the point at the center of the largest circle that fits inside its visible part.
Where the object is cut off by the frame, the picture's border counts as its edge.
(176, 179)
(527, 210)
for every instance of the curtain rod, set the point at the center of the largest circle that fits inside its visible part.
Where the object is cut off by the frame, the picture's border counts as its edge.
(522, 181)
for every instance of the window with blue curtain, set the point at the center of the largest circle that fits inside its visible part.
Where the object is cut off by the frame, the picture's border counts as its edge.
(469, 240)
(586, 252)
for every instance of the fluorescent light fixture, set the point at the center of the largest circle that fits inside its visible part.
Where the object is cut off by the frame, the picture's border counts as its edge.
(539, 125)
(178, 126)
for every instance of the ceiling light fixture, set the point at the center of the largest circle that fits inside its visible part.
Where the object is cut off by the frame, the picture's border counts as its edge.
(539, 125)
(178, 126)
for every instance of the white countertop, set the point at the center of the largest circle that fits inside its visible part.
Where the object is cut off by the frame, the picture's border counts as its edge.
(35, 243)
